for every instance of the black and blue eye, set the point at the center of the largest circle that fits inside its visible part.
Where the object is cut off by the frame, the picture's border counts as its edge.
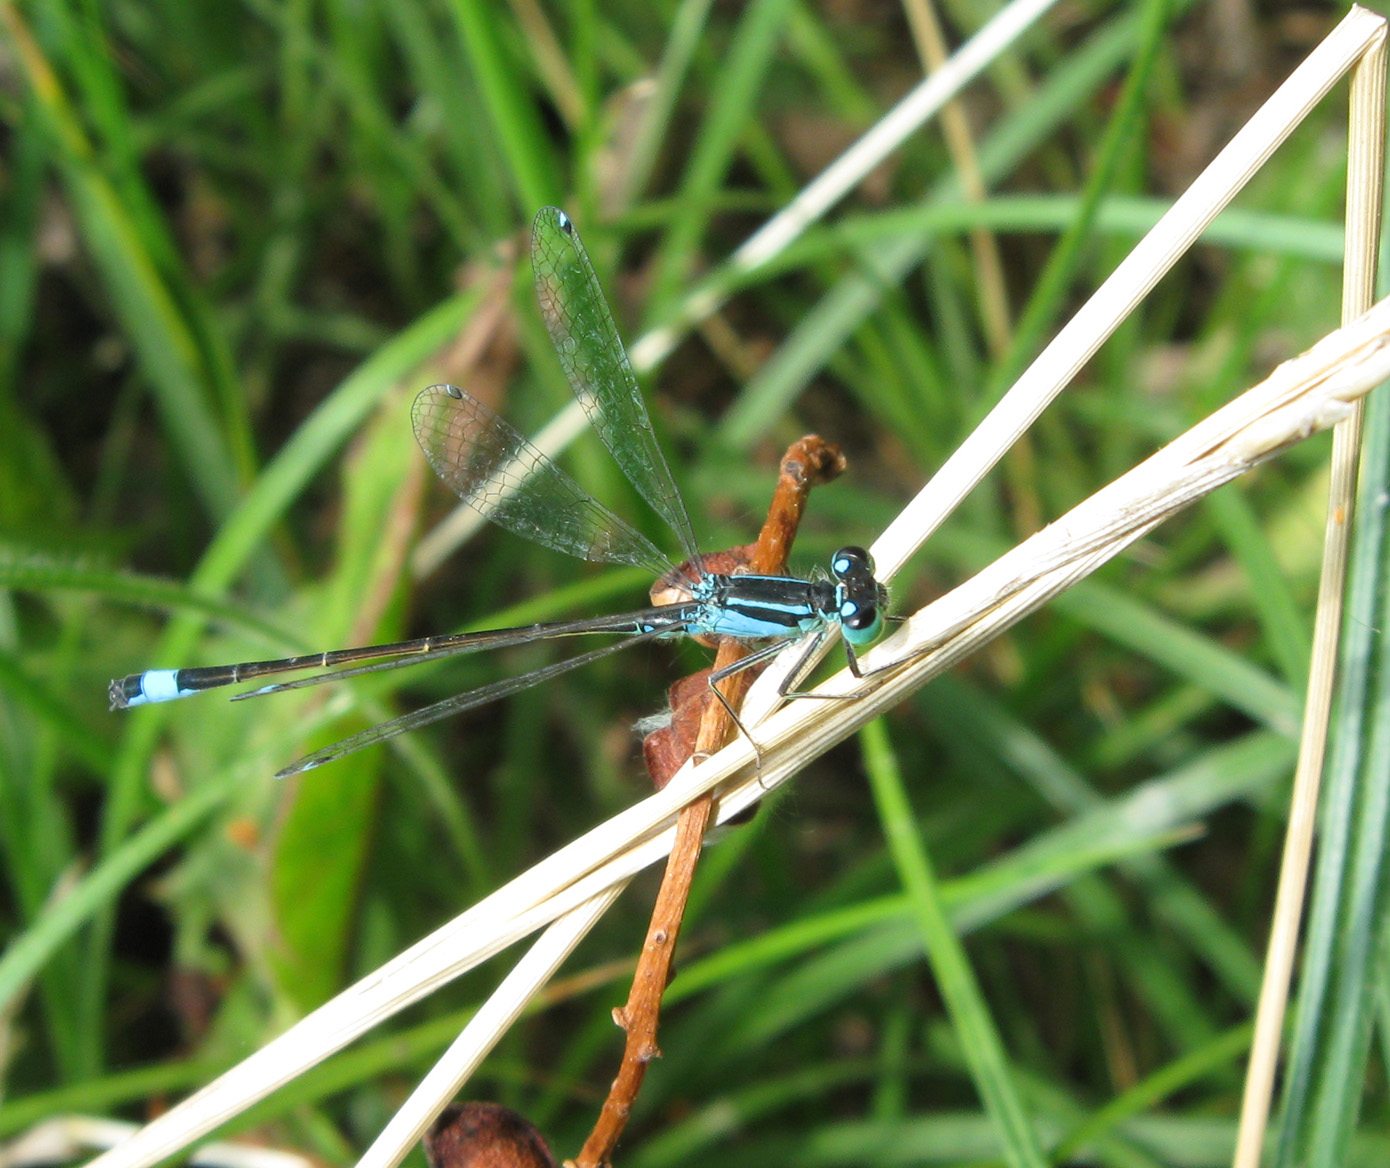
(860, 624)
(850, 561)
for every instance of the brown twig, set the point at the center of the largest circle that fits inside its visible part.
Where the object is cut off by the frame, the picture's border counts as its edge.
(807, 463)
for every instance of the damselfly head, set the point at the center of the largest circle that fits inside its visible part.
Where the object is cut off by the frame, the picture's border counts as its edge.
(861, 599)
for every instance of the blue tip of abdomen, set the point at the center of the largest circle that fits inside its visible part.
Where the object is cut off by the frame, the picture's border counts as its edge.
(154, 685)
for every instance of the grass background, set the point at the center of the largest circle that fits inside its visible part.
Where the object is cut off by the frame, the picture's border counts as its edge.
(236, 239)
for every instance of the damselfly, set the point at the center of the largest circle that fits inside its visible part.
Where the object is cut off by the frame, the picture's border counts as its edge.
(503, 476)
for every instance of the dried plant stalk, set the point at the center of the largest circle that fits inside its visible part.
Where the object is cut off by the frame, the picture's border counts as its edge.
(526, 979)
(808, 463)
(1365, 184)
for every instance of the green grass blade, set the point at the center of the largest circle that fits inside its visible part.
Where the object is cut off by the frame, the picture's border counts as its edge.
(979, 1038)
(534, 170)
(1335, 1018)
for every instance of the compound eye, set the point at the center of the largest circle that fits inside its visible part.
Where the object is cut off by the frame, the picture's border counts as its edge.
(861, 624)
(850, 560)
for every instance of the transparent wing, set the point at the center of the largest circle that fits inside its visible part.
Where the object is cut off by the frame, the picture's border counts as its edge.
(454, 705)
(498, 473)
(594, 360)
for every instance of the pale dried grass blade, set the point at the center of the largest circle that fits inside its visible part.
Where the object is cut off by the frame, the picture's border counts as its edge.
(1365, 185)
(493, 1019)
(925, 101)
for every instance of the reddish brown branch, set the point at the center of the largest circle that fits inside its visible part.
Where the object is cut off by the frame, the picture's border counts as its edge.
(807, 464)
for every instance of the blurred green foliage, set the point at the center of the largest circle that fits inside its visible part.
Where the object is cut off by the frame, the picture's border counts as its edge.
(236, 238)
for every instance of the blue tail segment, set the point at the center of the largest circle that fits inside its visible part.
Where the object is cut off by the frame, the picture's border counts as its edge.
(141, 689)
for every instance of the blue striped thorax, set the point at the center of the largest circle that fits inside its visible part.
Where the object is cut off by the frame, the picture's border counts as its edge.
(756, 607)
